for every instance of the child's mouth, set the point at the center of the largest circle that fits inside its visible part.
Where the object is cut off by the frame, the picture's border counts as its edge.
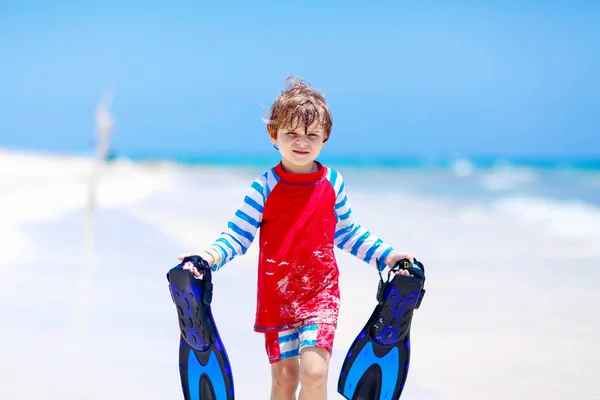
(300, 152)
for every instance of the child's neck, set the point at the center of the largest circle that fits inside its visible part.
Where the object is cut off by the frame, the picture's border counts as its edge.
(299, 169)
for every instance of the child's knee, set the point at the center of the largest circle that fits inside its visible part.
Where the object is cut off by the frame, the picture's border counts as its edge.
(286, 374)
(313, 375)
(314, 367)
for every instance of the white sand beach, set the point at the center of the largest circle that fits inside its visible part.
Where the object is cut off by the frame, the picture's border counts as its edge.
(511, 310)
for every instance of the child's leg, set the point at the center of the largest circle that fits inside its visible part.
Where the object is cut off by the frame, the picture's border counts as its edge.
(282, 349)
(285, 375)
(316, 342)
(314, 369)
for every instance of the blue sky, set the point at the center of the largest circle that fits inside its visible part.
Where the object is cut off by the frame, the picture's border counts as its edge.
(425, 78)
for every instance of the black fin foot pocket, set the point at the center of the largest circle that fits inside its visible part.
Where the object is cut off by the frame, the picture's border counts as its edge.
(400, 299)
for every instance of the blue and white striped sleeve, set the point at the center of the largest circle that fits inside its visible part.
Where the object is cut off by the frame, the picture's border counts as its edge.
(352, 237)
(241, 229)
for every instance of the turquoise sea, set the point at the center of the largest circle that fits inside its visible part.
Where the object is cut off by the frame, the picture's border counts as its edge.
(475, 178)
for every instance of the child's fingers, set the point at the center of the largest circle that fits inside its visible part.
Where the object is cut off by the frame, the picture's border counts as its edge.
(402, 272)
(190, 267)
(195, 272)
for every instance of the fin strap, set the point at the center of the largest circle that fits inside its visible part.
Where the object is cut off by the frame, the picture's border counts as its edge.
(207, 285)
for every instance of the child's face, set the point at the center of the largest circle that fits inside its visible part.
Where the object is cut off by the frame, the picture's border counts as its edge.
(299, 147)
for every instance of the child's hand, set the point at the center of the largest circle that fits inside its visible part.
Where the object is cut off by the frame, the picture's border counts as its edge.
(396, 256)
(191, 267)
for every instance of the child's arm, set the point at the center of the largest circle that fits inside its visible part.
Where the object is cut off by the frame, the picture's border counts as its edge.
(353, 237)
(241, 229)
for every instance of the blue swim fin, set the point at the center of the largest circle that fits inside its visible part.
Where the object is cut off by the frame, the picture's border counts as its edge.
(204, 366)
(376, 366)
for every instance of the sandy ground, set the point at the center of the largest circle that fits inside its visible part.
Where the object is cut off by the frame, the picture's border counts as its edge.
(510, 311)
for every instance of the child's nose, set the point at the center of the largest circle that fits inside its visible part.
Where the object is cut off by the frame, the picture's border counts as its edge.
(302, 139)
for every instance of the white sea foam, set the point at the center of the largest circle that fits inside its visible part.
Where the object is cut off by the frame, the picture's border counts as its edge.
(503, 176)
(462, 167)
(566, 219)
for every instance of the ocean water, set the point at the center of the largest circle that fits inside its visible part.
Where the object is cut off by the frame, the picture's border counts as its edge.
(511, 252)
(567, 200)
(559, 178)
(564, 194)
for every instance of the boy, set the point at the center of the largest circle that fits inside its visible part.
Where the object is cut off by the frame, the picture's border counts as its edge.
(301, 209)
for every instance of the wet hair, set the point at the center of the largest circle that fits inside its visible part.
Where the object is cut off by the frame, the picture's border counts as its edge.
(299, 105)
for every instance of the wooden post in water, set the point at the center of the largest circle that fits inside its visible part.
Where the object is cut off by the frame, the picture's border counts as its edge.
(104, 130)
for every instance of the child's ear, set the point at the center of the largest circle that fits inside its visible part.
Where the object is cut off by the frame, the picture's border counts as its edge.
(274, 142)
(271, 136)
